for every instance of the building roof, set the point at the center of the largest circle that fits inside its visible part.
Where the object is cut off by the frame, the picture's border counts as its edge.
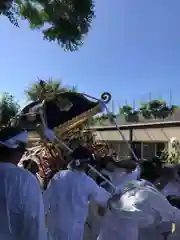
(143, 130)
(140, 135)
(122, 121)
(152, 130)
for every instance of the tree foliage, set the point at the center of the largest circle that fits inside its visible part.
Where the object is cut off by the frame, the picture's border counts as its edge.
(130, 114)
(51, 86)
(65, 21)
(103, 117)
(172, 154)
(155, 109)
(9, 9)
(8, 108)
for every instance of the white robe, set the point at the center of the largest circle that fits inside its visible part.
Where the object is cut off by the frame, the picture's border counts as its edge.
(119, 177)
(94, 220)
(21, 205)
(66, 203)
(172, 188)
(128, 228)
(144, 205)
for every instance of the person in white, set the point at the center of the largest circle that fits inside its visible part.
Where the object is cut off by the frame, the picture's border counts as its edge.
(31, 162)
(172, 183)
(21, 205)
(66, 198)
(144, 204)
(95, 213)
(126, 171)
(119, 174)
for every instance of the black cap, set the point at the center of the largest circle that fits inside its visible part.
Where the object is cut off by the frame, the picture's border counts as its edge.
(127, 164)
(82, 155)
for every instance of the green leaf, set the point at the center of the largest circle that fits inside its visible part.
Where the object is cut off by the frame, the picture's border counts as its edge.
(51, 86)
(8, 108)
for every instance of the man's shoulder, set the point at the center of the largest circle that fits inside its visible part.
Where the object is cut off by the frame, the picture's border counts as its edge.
(20, 181)
(71, 173)
(22, 172)
(60, 174)
(24, 175)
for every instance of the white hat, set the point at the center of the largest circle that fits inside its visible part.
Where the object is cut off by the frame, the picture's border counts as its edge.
(12, 137)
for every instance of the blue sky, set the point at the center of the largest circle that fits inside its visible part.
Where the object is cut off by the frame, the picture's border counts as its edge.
(133, 48)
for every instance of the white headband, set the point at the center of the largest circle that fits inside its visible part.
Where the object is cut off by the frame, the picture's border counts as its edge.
(16, 140)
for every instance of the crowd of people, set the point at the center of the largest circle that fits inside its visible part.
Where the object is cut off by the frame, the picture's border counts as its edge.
(78, 205)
